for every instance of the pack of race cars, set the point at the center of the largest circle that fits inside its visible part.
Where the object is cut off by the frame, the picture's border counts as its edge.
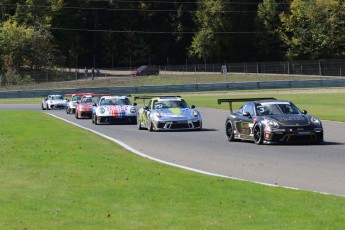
(261, 120)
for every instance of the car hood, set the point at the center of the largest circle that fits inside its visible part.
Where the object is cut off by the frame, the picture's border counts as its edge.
(176, 112)
(57, 101)
(116, 107)
(292, 119)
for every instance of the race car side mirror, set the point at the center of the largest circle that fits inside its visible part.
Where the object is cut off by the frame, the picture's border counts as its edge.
(146, 108)
(95, 104)
(192, 107)
(304, 112)
(134, 104)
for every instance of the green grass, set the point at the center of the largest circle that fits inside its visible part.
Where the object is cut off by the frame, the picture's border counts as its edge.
(162, 79)
(327, 106)
(58, 176)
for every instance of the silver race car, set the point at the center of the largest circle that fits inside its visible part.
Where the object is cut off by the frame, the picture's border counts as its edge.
(168, 113)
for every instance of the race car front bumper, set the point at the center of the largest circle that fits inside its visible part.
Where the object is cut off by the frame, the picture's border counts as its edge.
(177, 124)
(116, 120)
(293, 135)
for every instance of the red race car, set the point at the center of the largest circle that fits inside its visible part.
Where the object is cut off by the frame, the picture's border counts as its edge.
(84, 108)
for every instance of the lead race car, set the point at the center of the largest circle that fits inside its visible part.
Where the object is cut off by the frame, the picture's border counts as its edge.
(168, 113)
(113, 110)
(267, 120)
(53, 102)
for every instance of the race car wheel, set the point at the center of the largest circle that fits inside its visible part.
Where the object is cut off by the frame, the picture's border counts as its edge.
(96, 122)
(48, 108)
(93, 119)
(139, 124)
(76, 115)
(67, 110)
(258, 134)
(149, 126)
(43, 107)
(229, 131)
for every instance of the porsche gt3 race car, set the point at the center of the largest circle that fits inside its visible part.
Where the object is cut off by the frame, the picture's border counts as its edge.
(168, 113)
(267, 120)
(53, 102)
(84, 108)
(72, 104)
(113, 110)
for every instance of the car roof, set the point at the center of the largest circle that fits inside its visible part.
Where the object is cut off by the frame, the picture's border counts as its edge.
(271, 101)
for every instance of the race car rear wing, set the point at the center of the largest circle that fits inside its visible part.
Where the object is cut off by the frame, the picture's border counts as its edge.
(230, 101)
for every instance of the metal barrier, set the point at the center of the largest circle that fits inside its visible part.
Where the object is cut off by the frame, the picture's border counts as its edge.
(319, 83)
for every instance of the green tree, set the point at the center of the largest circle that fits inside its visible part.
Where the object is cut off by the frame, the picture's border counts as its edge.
(314, 29)
(269, 45)
(25, 47)
(225, 31)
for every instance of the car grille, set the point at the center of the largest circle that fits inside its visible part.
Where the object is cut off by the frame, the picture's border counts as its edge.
(178, 125)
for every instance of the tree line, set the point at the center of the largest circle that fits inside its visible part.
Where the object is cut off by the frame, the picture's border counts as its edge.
(38, 34)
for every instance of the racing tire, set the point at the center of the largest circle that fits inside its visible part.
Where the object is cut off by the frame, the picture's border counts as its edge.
(229, 131)
(139, 124)
(258, 134)
(92, 119)
(149, 126)
(43, 107)
(48, 107)
(96, 122)
(76, 115)
(67, 110)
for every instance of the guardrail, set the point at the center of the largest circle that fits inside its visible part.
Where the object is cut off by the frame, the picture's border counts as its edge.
(319, 83)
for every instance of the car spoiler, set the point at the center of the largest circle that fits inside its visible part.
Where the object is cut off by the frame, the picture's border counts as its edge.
(153, 96)
(230, 101)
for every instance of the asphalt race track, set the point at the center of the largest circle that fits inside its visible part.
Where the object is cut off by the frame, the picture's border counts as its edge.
(319, 168)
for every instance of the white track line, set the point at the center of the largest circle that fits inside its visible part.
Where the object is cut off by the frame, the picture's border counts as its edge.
(180, 166)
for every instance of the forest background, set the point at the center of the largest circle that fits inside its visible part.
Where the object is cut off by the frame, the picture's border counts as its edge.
(48, 34)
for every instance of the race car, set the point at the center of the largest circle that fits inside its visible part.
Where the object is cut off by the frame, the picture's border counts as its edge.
(72, 104)
(53, 102)
(84, 108)
(113, 110)
(268, 120)
(168, 113)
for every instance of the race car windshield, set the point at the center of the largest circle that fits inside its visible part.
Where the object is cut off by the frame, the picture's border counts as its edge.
(87, 100)
(56, 97)
(116, 101)
(276, 109)
(76, 98)
(170, 104)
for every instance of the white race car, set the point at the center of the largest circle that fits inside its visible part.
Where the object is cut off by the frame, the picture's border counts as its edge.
(114, 109)
(72, 104)
(54, 102)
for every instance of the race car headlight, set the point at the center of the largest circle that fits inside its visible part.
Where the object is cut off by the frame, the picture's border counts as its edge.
(102, 110)
(195, 113)
(82, 107)
(315, 121)
(272, 123)
(133, 110)
(159, 115)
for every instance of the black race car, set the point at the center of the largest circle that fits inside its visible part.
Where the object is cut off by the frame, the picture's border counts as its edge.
(267, 120)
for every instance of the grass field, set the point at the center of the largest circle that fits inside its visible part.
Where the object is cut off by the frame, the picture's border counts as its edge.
(51, 178)
(162, 79)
